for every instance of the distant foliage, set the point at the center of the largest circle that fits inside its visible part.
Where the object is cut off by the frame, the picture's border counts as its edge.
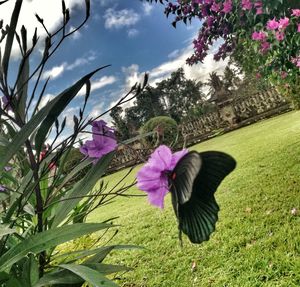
(175, 97)
(166, 130)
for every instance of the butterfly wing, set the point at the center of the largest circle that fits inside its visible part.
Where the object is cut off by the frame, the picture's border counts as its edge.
(198, 214)
(184, 175)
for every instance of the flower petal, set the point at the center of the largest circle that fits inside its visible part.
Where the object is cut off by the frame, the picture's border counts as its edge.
(157, 197)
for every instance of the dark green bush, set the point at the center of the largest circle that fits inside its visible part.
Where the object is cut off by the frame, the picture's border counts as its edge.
(165, 128)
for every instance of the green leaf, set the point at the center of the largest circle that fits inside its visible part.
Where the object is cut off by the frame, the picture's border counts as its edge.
(5, 230)
(30, 274)
(59, 277)
(74, 171)
(3, 277)
(107, 268)
(10, 36)
(62, 101)
(104, 251)
(22, 87)
(82, 188)
(13, 282)
(47, 239)
(91, 276)
(70, 278)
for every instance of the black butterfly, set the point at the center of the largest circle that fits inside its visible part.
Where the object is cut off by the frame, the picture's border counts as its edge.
(193, 182)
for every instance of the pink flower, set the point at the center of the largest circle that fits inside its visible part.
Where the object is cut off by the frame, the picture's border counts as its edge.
(227, 6)
(279, 35)
(296, 61)
(265, 47)
(153, 176)
(283, 74)
(298, 28)
(283, 22)
(215, 7)
(246, 4)
(258, 4)
(259, 36)
(259, 11)
(258, 75)
(272, 24)
(296, 12)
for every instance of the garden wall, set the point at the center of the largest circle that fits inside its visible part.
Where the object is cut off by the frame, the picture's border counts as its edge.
(230, 115)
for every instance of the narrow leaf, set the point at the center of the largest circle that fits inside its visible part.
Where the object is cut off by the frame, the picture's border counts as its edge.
(22, 87)
(10, 36)
(47, 239)
(60, 277)
(82, 188)
(91, 276)
(107, 268)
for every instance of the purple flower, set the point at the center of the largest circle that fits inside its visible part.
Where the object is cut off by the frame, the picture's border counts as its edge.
(6, 103)
(153, 176)
(7, 168)
(2, 188)
(103, 142)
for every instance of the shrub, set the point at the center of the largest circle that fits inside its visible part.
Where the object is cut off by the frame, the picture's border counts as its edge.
(165, 128)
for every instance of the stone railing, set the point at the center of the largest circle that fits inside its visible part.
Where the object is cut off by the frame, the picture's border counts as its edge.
(231, 114)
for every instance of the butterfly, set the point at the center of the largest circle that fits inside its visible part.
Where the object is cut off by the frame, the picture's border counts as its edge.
(193, 182)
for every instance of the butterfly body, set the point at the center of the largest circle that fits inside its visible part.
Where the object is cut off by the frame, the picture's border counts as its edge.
(193, 182)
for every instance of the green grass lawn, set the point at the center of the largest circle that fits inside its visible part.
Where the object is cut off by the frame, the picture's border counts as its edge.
(257, 239)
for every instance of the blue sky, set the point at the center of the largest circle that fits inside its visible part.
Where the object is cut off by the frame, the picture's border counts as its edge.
(132, 36)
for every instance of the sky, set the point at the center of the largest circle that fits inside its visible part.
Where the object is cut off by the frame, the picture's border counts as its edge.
(132, 36)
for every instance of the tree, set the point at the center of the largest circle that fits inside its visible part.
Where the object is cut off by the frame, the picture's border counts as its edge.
(180, 95)
(148, 104)
(119, 123)
(230, 79)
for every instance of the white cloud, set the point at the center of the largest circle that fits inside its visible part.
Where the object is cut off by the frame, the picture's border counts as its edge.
(98, 84)
(174, 54)
(97, 110)
(69, 113)
(46, 98)
(147, 8)
(81, 61)
(132, 33)
(54, 72)
(106, 2)
(122, 18)
(132, 75)
(76, 35)
(195, 72)
(50, 12)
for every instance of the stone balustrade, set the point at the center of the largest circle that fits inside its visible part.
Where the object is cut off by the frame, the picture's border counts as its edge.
(231, 114)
